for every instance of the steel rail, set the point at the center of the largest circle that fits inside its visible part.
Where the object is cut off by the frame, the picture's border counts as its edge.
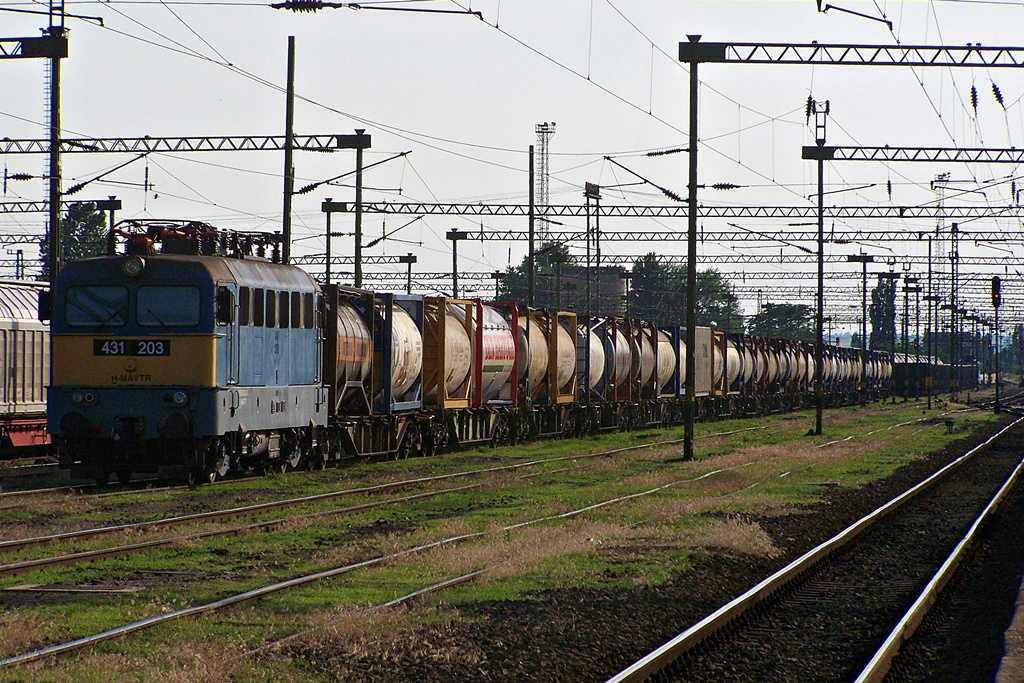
(881, 662)
(60, 649)
(15, 568)
(216, 515)
(121, 631)
(433, 588)
(28, 470)
(661, 657)
(80, 643)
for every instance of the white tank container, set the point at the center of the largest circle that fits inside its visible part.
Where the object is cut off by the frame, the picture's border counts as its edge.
(719, 366)
(406, 351)
(533, 352)
(734, 363)
(682, 361)
(618, 357)
(498, 354)
(597, 357)
(458, 350)
(645, 361)
(749, 365)
(566, 357)
(355, 348)
(666, 360)
(774, 369)
(786, 363)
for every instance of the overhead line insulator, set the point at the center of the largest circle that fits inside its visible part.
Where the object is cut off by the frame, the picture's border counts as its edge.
(998, 95)
(300, 5)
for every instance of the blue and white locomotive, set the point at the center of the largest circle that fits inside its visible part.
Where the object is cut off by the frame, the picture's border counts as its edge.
(181, 364)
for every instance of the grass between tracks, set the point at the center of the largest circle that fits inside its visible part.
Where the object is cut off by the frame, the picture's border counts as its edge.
(642, 541)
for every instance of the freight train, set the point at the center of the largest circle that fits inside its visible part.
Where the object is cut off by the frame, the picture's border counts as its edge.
(25, 363)
(196, 352)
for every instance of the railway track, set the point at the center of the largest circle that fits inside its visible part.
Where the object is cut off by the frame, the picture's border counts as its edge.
(207, 608)
(54, 651)
(34, 469)
(15, 568)
(842, 610)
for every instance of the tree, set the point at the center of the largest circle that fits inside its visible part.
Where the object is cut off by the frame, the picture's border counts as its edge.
(549, 258)
(882, 314)
(83, 233)
(717, 306)
(788, 321)
(657, 291)
(658, 294)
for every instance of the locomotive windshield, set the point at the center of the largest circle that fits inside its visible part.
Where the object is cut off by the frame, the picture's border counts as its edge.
(97, 306)
(168, 306)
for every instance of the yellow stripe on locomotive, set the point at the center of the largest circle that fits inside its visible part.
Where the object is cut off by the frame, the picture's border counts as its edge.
(85, 360)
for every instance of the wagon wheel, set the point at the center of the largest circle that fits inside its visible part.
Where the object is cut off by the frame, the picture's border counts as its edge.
(412, 443)
(502, 433)
(524, 426)
(103, 478)
(439, 431)
(124, 476)
(569, 425)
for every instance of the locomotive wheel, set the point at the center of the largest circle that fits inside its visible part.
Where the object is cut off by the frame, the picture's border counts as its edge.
(218, 461)
(124, 476)
(318, 461)
(293, 460)
(102, 479)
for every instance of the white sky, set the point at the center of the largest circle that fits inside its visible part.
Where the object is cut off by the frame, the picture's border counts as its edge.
(464, 96)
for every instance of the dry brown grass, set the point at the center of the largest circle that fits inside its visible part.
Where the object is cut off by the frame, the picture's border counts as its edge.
(18, 632)
(351, 635)
(174, 663)
(738, 535)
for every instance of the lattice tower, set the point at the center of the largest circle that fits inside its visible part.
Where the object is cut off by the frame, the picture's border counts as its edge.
(541, 194)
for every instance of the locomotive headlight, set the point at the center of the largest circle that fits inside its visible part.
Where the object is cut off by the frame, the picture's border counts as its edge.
(179, 398)
(83, 398)
(133, 266)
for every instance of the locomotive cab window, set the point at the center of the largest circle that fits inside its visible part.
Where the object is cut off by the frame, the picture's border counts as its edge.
(271, 309)
(168, 306)
(283, 313)
(244, 306)
(225, 306)
(296, 311)
(307, 311)
(96, 306)
(257, 307)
